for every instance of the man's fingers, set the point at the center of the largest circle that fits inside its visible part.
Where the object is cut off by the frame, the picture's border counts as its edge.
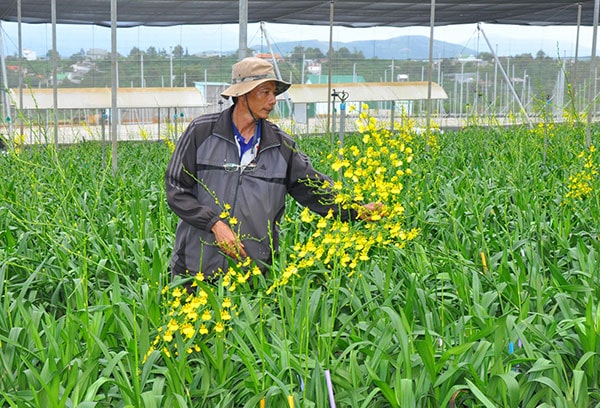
(233, 249)
(242, 250)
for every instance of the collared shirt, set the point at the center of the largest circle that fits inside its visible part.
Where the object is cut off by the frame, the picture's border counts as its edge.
(248, 150)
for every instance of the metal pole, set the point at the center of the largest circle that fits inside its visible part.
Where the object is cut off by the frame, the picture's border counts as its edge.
(343, 95)
(287, 99)
(142, 70)
(574, 76)
(512, 89)
(243, 38)
(115, 78)
(430, 75)
(591, 92)
(54, 73)
(20, 41)
(496, 80)
(334, 95)
(158, 124)
(329, 58)
(103, 127)
(462, 81)
(171, 69)
(392, 119)
(4, 89)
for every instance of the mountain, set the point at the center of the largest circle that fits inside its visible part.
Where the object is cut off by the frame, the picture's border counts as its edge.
(413, 47)
(459, 40)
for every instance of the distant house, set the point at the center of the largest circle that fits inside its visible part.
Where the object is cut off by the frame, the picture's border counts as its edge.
(29, 55)
(15, 68)
(79, 71)
(82, 67)
(61, 76)
(313, 67)
(97, 54)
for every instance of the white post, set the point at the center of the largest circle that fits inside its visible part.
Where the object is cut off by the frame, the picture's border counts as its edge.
(114, 115)
(54, 72)
(329, 63)
(4, 89)
(287, 99)
(171, 69)
(591, 91)
(430, 75)
(243, 35)
(142, 69)
(20, 40)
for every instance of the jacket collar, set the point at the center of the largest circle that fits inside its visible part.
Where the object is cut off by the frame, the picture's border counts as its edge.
(224, 128)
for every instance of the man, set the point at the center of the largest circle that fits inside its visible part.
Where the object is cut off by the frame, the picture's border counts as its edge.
(229, 175)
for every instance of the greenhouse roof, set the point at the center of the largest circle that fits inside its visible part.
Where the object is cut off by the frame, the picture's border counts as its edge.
(367, 91)
(100, 98)
(335, 79)
(346, 13)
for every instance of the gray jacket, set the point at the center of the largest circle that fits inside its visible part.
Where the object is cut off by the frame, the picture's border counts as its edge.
(196, 178)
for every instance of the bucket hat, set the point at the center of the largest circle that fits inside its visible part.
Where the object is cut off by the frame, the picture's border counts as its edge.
(249, 73)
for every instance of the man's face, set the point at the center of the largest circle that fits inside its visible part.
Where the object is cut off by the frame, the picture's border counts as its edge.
(262, 99)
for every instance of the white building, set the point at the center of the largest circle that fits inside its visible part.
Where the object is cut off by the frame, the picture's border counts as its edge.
(29, 55)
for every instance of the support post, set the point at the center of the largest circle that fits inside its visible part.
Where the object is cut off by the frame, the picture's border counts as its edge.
(114, 115)
(243, 39)
(430, 75)
(19, 115)
(592, 90)
(4, 89)
(506, 78)
(329, 63)
(285, 94)
(54, 73)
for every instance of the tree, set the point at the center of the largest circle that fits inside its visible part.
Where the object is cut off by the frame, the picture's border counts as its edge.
(540, 55)
(313, 53)
(486, 56)
(79, 56)
(135, 52)
(524, 56)
(343, 52)
(358, 54)
(297, 55)
(177, 52)
(151, 52)
(51, 52)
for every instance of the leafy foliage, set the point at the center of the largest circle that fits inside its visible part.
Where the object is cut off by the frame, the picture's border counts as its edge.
(495, 302)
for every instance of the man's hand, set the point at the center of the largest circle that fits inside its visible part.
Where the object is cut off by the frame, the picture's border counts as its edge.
(229, 243)
(372, 212)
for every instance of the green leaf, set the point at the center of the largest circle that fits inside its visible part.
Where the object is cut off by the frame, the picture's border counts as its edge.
(480, 395)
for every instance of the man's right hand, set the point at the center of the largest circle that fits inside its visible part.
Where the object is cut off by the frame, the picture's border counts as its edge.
(228, 241)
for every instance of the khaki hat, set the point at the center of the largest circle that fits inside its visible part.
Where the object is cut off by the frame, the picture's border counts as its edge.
(250, 73)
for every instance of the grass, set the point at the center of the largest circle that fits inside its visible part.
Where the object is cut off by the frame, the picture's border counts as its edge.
(494, 303)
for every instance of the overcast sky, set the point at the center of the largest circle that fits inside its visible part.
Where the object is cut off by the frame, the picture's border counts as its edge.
(508, 39)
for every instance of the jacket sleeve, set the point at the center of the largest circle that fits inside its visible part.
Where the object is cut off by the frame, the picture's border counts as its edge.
(306, 185)
(181, 185)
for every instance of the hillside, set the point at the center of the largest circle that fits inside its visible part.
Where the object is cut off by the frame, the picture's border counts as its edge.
(411, 47)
